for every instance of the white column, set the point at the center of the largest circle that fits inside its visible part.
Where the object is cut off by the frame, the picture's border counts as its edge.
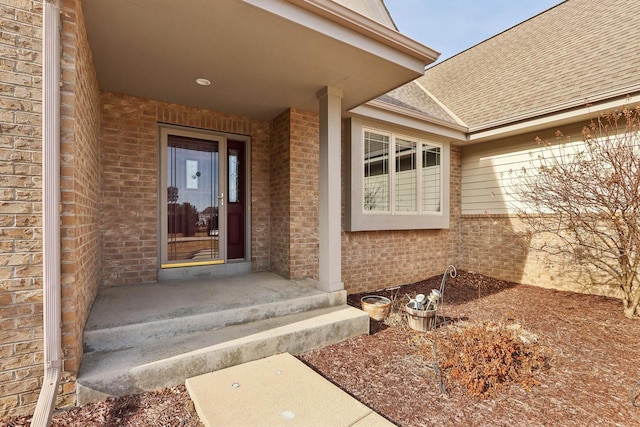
(330, 268)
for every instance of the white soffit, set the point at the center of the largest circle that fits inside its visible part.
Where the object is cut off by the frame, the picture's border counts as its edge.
(261, 57)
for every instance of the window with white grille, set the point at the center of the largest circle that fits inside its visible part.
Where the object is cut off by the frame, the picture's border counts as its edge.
(397, 181)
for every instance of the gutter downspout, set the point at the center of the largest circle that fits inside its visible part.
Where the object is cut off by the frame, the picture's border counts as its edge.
(51, 215)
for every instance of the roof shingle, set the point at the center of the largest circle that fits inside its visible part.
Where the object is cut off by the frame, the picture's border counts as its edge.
(571, 53)
(413, 98)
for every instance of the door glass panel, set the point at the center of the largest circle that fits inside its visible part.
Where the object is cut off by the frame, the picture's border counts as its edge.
(234, 164)
(192, 199)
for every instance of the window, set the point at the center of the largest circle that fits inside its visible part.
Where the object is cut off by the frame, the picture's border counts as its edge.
(376, 172)
(397, 181)
(431, 179)
(406, 176)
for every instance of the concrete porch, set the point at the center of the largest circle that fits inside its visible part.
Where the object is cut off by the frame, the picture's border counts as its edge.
(145, 337)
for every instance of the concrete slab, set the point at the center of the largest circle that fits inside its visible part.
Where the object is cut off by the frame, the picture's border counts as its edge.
(135, 304)
(276, 391)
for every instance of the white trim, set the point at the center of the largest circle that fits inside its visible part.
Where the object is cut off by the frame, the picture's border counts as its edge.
(51, 216)
(557, 115)
(341, 23)
(398, 116)
(338, 13)
(580, 103)
(561, 118)
(356, 219)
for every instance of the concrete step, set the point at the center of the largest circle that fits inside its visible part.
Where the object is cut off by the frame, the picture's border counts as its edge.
(168, 361)
(110, 336)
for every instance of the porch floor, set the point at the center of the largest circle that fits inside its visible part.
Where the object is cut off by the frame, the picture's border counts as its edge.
(145, 337)
(135, 304)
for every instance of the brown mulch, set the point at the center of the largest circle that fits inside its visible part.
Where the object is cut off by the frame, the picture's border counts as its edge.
(167, 407)
(508, 354)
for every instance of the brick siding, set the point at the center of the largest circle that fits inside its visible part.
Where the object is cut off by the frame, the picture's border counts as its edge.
(294, 194)
(491, 246)
(304, 211)
(80, 191)
(498, 246)
(109, 188)
(280, 197)
(260, 201)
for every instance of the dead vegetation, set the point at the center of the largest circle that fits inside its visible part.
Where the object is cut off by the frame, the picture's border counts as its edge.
(486, 359)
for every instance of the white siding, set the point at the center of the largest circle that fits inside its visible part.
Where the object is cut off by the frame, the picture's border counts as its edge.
(491, 171)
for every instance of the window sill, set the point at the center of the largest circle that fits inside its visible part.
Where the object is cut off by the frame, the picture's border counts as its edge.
(379, 222)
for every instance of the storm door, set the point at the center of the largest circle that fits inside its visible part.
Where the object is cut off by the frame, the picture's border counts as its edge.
(194, 218)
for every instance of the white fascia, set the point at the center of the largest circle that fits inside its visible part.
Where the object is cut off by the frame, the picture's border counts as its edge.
(398, 116)
(556, 115)
(341, 23)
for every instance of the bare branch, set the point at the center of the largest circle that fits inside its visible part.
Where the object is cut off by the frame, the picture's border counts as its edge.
(584, 201)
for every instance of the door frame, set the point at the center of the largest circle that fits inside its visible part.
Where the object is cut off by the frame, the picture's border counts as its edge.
(212, 268)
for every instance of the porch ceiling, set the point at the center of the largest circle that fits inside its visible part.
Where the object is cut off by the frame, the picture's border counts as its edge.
(260, 56)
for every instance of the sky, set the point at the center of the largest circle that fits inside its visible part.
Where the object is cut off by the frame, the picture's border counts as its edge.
(451, 26)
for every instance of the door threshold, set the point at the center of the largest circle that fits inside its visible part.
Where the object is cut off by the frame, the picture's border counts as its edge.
(192, 263)
(205, 271)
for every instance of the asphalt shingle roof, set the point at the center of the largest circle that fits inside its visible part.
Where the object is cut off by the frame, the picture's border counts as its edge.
(412, 97)
(571, 53)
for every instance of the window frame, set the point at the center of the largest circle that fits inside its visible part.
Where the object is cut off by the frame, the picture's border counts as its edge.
(359, 219)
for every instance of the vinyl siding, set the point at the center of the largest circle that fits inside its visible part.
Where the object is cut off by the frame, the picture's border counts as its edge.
(491, 172)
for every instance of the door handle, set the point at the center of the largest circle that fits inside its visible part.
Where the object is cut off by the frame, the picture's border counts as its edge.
(221, 198)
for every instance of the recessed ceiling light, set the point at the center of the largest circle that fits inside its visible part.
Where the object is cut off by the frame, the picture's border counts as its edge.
(203, 82)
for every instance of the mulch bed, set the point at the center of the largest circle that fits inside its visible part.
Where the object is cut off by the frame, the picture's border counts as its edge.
(508, 354)
(590, 351)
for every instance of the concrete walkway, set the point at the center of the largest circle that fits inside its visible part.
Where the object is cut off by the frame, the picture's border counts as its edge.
(276, 391)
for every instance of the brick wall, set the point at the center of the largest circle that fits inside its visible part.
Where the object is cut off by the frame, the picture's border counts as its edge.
(129, 221)
(294, 194)
(20, 206)
(80, 191)
(260, 202)
(380, 259)
(304, 193)
(279, 195)
(490, 245)
(499, 246)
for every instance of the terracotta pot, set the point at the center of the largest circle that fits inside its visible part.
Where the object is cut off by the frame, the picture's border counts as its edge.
(378, 307)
